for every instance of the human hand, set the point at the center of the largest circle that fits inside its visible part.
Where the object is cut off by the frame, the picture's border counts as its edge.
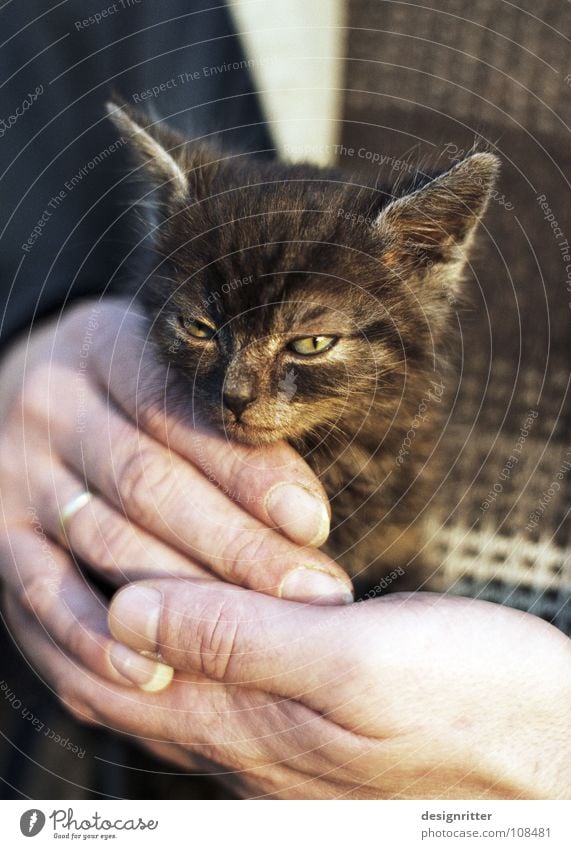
(83, 407)
(420, 696)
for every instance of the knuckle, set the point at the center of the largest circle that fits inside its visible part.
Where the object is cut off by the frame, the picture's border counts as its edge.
(242, 479)
(245, 555)
(216, 639)
(69, 698)
(75, 317)
(107, 541)
(36, 596)
(145, 484)
(35, 393)
(74, 638)
(80, 711)
(10, 459)
(151, 413)
(255, 467)
(66, 691)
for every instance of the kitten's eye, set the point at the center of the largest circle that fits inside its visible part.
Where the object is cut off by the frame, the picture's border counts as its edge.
(198, 329)
(311, 345)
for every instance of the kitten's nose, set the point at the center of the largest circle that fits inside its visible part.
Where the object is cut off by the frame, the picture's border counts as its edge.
(238, 399)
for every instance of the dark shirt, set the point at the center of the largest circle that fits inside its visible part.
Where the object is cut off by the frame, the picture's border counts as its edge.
(65, 226)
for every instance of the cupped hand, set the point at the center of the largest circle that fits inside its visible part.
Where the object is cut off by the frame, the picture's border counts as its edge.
(84, 405)
(421, 696)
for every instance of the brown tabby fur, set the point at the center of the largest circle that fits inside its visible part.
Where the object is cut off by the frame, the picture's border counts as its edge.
(267, 252)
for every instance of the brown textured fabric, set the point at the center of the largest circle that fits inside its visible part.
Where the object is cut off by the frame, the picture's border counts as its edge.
(427, 80)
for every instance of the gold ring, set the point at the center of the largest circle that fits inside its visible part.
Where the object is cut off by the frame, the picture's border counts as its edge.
(69, 510)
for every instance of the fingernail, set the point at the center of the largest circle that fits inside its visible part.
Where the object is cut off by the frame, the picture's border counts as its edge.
(134, 617)
(314, 586)
(302, 516)
(148, 675)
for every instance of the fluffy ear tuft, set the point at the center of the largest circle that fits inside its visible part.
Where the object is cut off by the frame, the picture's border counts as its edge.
(152, 144)
(436, 221)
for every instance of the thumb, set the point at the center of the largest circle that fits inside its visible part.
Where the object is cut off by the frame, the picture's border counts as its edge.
(238, 636)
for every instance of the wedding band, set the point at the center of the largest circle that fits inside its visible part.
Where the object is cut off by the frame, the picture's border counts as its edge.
(69, 510)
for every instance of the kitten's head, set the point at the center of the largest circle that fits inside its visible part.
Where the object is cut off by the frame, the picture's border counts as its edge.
(291, 300)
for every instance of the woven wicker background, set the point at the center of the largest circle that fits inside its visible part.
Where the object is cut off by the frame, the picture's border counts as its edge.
(428, 79)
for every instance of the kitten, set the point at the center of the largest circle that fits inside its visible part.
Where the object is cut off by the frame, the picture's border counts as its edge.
(297, 304)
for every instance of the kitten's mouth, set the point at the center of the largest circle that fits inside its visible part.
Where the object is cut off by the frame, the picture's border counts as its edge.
(253, 434)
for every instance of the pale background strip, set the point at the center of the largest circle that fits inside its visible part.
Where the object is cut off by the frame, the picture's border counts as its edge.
(295, 47)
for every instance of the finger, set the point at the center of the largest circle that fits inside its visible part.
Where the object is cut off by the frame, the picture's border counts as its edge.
(272, 483)
(45, 582)
(81, 690)
(52, 665)
(234, 728)
(99, 534)
(360, 666)
(239, 637)
(172, 500)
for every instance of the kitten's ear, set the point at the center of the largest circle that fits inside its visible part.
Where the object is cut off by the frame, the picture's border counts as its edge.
(435, 222)
(155, 147)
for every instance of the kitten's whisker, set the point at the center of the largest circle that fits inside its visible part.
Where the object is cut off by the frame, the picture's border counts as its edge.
(166, 279)
(330, 428)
